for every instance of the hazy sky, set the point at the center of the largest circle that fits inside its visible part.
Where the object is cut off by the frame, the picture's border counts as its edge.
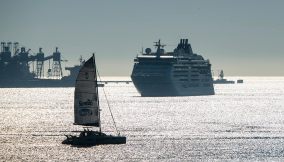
(243, 37)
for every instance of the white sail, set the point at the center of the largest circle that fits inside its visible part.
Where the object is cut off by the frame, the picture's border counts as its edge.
(86, 103)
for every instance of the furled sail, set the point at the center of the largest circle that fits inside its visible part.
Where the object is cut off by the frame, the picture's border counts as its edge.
(86, 103)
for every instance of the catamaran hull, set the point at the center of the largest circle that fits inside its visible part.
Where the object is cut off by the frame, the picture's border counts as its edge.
(95, 140)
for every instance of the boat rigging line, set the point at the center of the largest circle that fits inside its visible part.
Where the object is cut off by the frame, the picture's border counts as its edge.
(114, 123)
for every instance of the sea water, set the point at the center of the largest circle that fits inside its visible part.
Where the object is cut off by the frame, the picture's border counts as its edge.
(241, 122)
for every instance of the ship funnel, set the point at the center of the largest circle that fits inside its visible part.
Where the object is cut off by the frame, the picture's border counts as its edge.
(186, 41)
(23, 50)
(2, 46)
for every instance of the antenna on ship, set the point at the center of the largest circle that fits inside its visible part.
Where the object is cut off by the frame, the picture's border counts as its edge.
(158, 45)
(81, 60)
(142, 49)
(221, 75)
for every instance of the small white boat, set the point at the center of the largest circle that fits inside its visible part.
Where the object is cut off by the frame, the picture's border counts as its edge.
(221, 79)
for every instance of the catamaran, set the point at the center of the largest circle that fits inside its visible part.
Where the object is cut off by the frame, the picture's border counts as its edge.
(87, 109)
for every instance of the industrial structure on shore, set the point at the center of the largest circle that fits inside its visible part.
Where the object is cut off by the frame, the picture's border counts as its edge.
(19, 68)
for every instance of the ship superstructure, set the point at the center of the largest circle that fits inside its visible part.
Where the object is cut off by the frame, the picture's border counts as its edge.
(74, 71)
(177, 73)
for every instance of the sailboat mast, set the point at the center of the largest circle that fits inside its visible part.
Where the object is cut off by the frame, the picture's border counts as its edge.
(99, 110)
(96, 84)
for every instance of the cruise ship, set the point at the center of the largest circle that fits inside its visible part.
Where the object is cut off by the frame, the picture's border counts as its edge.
(177, 73)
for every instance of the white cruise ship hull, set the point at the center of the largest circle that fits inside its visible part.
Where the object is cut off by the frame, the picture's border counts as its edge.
(152, 86)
